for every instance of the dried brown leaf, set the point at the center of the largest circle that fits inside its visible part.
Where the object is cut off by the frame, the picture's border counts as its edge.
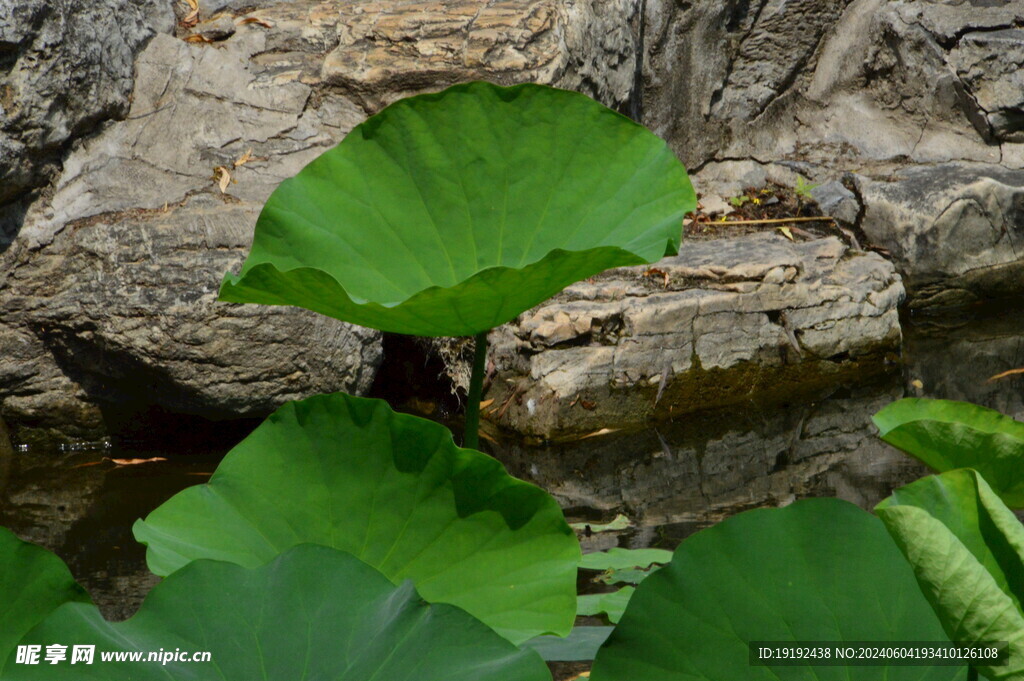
(136, 462)
(256, 20)
(244, 158)
(192, 18)
(598, 433)
(223, 178)
(197, 38)
(1005, 374)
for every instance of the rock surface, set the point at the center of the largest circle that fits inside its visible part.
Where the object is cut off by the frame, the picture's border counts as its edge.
(720, 323)
(958, 229)
(109, 290)
(63, 71)
(749, 92)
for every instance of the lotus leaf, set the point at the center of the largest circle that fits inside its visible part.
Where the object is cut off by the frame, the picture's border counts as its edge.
(818, 570)
(611, 604)
(395, 491)
(312, 613)
(947, 435)
(580, 645)
(33, 582)
(620, 559)
(967, 551)
(448, 214)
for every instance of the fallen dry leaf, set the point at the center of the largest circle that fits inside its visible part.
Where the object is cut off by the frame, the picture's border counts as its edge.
(192, 18)
(598, 433)
(1011, 372)
(917, 384)
(244, 158)
(486, 403)
(136, 462)
(197, 38)
(787, 233)
(256, 20)
(223, 178)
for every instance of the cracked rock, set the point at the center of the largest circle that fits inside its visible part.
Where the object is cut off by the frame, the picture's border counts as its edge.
(991, 65)
(63, 71)
(109, 288)
(956, 231)
(738, 319)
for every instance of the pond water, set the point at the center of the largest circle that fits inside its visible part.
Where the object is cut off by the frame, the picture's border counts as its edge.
(670, 480)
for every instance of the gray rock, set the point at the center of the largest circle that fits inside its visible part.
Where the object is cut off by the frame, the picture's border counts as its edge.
(108, 291)
(836, 200)
(737, 318)
(64, 69)
(955, 230)
(991, 64)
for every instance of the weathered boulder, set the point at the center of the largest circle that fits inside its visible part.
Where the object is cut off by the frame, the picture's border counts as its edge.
(723, 322)
(109, 289)
(64, 69)
(957, 230)
(991, 65)
(754, 90)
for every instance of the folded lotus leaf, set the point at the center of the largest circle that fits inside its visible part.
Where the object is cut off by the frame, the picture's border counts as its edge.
(818, 570)
(448, 214)
(311, 614)
(395, 491)
(946, 435)
(967, 551)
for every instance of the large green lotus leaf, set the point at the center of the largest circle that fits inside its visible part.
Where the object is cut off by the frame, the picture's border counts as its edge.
(395, 491)
(818, 570)
(946, 435)
(448, 214)
(311, 614)
(967, 551)
(33, 582)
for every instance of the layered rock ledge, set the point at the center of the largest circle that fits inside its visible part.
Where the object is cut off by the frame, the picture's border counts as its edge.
(721, 323)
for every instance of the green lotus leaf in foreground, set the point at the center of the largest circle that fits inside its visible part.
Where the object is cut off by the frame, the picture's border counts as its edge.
(967, 551)
(33, 582)
(448, 214)
(311, 614)
(946, 435)
(395, 491)
(818, 570)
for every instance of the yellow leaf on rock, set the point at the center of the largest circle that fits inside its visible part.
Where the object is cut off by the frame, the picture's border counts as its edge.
(224, 178)
(244, 158)
(192, 18)
(256, 20)
(787, 233)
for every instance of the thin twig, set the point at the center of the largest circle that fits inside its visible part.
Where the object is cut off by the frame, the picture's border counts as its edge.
(771, 222)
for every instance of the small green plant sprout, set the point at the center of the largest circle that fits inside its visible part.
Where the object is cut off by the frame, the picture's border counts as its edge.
(803, 188)
(451, 213)
(738, 201)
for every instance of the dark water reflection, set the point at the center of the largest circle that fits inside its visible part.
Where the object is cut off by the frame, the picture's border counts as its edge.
(671, 480)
